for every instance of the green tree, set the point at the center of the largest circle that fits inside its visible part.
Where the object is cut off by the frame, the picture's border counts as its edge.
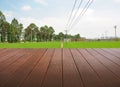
(31, 32)
(43, 31)
(61, 36)
(15, 31)
(4, 31)
(36, 34)
(46, 33)
(2, 18)
(50, 33)
(19, 32)
(77, 36)
(2, 27)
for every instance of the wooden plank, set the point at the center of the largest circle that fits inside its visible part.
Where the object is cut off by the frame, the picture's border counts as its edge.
(71, 77)
(15, 64)
(24, 70)
(89, 77)
(59, 68)
(54, 75)
(4, 56)
(108, 64)
(112, 58)
(6, 63)
(11, 70)
(113, 52)
(117, 50)
(2, 50)
(36, 77)
(106, 75)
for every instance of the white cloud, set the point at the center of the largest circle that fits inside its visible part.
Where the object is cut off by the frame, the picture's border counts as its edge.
(26, 8)
(89, 12)
(41, 2)
(57, 23)
(93, 24)
(8, 14)
(27, 20)
(117, 0)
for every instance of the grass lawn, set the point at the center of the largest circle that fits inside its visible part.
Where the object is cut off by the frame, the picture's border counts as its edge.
(91, 44)
(31, 45)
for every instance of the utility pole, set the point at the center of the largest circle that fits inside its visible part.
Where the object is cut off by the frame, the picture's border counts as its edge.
(106, 37)
(66, 32)
(115, 31)
(0, 35)
(32, 34)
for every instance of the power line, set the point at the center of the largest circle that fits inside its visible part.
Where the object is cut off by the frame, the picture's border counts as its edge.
(70, 17)
(75, 14)
(76, 21)
(82, 13)
(71, 12)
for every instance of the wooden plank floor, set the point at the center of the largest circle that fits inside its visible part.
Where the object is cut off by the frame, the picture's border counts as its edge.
(59, 67)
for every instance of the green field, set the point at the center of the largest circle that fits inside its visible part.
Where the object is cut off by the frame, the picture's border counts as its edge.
(31, 45)
(90, 44)
(93, 44)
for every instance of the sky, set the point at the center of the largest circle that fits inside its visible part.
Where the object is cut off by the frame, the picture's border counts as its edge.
(98, 21)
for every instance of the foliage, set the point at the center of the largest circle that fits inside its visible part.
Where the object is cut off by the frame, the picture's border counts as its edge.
(31, 32)
(14, 32)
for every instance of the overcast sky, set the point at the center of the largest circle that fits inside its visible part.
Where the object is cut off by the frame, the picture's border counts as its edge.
(98, 21)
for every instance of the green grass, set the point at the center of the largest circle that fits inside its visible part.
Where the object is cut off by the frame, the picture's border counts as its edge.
(31, 45)
(91, 44)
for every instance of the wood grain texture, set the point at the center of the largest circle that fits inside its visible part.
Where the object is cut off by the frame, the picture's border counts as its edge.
(59, 67)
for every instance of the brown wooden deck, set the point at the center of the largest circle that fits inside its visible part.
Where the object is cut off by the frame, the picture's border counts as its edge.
(59, 67)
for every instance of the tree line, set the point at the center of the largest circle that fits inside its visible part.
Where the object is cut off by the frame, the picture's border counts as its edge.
(14, 32)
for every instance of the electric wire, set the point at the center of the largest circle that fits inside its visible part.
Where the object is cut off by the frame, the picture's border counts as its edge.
(76, 20)
(71, 12)
(75, 13)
